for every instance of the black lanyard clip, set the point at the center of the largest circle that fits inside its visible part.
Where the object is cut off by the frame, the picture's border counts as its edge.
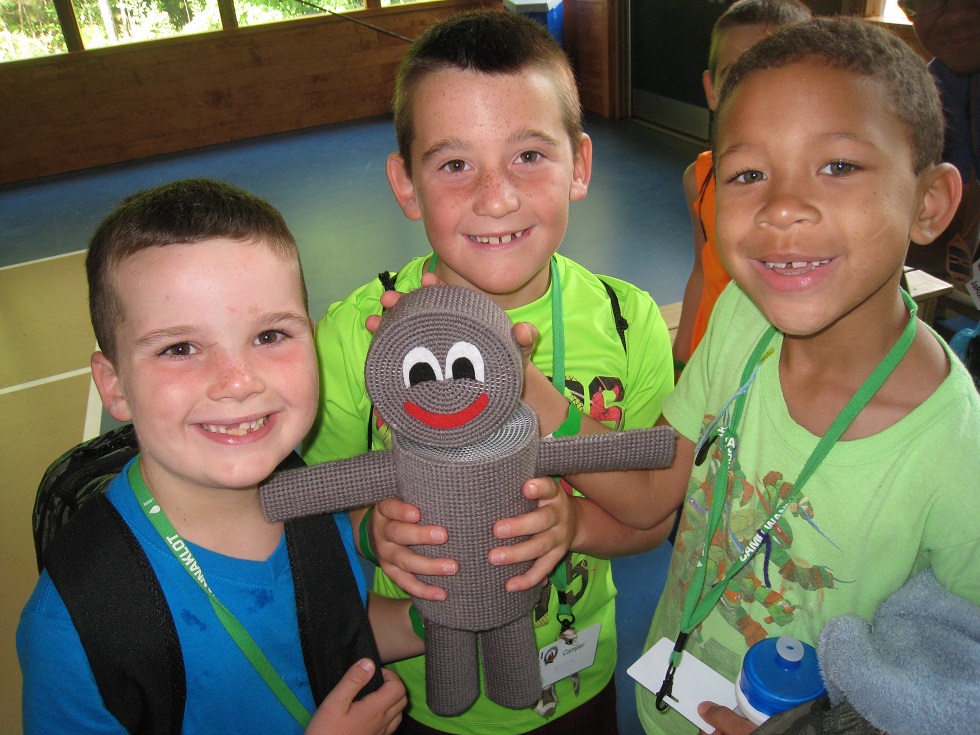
(667, 688)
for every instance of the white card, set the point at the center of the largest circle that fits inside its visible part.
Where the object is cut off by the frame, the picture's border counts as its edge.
(564, 658)
(694, 681)
(973, 286)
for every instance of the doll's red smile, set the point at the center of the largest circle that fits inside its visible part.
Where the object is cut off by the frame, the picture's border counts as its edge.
(448, 420)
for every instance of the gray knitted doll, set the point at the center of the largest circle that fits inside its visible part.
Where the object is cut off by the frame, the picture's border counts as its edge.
(446, 374)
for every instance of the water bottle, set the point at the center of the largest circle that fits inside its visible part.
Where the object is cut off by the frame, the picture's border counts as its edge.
(777, 674)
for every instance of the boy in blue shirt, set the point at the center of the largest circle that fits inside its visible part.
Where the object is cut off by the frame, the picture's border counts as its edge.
(199, 306)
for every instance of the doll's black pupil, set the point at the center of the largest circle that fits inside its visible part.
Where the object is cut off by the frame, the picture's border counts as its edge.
(420, 372)
(463, 368)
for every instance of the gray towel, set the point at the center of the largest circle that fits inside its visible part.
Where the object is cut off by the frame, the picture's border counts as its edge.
(916, 669)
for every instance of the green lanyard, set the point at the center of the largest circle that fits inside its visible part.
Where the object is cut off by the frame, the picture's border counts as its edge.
(697, 603)
(559, 576)
(235, 629)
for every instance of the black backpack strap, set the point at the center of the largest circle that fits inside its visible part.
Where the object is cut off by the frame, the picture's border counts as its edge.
(621, 324)
(387, 279)
(142, 683)
(81, 472)
(333, 624)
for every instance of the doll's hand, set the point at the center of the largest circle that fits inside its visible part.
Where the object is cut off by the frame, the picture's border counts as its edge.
(394, 527)
(377, 713)
(725, 720)
(551, 527)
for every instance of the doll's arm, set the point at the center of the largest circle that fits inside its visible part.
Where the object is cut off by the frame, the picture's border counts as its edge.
(637, 449)
(329, 487)
(639, 498)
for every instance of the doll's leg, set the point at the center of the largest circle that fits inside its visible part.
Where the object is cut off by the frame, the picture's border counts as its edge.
(511, 673)
(452, 681)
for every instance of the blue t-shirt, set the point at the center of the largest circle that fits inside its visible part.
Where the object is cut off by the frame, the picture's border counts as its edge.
(224, 691)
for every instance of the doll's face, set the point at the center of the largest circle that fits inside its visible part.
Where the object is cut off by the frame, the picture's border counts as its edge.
(444, 368)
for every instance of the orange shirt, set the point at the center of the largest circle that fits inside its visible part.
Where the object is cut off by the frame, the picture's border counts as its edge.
(715, 275)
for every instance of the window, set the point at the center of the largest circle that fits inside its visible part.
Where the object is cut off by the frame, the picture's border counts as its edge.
(111, 22)
(30, 28)
(893, 13)
(254, 12)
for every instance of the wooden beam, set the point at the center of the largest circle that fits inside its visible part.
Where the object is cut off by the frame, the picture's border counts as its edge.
(69, 25)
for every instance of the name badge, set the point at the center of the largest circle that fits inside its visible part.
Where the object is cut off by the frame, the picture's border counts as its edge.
(573, 651)
(694, 682)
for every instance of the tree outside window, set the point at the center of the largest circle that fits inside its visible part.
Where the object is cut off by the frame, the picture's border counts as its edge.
(30, 28)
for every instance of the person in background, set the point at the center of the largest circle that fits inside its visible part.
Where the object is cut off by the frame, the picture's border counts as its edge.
(950, 31)
(740, 26)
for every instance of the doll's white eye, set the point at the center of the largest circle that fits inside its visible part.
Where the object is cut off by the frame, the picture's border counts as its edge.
(420, 365)
(464, 361)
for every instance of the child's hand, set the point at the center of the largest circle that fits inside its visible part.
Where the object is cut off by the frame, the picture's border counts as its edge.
(526, 335)
(551, 527)
(390, 298)
(725, 720)
(394, 527)
(378, 713)
(539, 392)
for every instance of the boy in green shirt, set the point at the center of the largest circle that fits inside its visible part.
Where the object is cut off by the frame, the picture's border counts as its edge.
(491, 152)
(829, 440)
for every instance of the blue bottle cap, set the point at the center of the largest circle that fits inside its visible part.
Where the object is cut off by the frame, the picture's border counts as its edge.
(780, 673)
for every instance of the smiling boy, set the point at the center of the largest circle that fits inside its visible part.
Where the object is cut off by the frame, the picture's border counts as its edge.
(199, 306)
(490, 154)
(818, 407)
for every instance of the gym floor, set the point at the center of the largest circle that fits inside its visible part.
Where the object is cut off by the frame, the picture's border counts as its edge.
(329, 183)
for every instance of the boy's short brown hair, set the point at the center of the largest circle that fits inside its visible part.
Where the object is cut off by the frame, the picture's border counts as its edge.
(754, 13)
(852, 44)
(488, 42)
(179, 213)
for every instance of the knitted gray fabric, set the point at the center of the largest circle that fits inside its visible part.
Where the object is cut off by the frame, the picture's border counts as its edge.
(446, 374)
(444, 322)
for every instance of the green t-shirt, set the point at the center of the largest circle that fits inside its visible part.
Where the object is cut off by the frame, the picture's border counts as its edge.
(876, 511)
(623, 388)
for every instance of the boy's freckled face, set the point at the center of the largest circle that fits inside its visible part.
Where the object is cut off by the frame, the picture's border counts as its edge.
(215, 360)
(493, 172)
(816, 193)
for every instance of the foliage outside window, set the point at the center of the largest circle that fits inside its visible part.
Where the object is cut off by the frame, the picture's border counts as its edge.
(31, 28)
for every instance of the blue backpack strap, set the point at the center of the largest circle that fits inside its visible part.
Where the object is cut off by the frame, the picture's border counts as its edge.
(142, 683)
